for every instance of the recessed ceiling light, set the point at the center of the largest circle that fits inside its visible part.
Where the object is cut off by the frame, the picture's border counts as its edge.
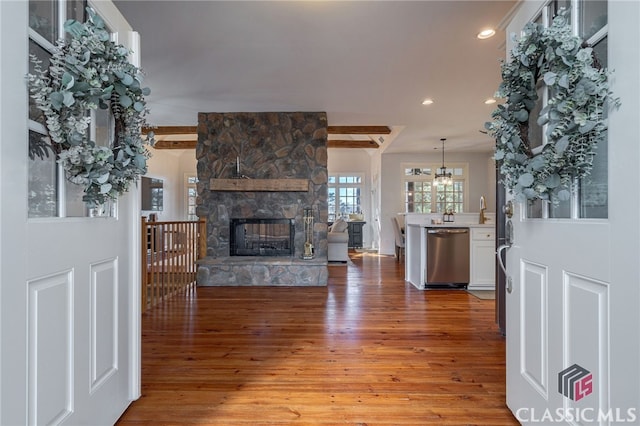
(427, 102)
(484, 34)
(490, 101)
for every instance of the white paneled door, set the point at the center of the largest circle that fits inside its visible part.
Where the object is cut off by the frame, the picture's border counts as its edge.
(573, 329)
(69, 285)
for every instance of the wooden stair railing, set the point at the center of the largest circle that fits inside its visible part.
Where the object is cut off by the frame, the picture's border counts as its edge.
(169, 252)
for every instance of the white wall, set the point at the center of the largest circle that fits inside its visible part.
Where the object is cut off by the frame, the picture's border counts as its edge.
(481, 182)
(170, 166)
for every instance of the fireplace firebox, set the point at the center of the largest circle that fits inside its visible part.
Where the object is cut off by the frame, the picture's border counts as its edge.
(261, 237)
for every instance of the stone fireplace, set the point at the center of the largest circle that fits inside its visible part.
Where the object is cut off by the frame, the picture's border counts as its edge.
(269, 167)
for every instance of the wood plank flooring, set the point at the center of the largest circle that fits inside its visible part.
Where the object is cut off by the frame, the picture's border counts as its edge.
(369, 349)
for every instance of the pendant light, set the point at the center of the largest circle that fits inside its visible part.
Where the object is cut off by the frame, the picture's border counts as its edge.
(443, 177)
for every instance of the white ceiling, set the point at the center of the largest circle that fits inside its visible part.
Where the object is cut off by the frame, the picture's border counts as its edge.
(363, 62)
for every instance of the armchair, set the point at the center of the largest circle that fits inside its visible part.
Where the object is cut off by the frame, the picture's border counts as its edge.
(338, 242)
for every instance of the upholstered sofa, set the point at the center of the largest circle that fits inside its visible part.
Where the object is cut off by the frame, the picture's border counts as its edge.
(338, 242)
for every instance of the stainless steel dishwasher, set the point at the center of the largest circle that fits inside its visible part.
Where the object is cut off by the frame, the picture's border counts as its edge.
(447, 257)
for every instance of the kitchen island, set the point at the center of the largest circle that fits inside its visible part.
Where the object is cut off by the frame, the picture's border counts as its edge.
(482, 248)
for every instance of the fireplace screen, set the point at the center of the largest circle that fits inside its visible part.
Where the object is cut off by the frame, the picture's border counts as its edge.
(261, 237)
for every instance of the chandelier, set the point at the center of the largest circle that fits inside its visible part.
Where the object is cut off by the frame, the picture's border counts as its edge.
(442, 177)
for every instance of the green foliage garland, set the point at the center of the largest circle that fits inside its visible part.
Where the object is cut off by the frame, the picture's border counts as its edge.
(87, 72)
(575, 113)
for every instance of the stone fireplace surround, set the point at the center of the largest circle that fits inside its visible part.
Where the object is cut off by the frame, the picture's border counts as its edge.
(265, 145)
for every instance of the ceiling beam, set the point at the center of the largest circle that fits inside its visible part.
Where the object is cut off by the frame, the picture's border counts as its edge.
(358, 130)
(351, 144)
(332, 130)
(171, 130)
(191, 144)
(181, 144)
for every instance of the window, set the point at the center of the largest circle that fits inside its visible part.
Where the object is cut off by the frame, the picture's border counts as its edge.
(43, 170)
(191, 193)
(594, 188)
(422, 196)
(591, 196)
(50, 195)
(344, 194)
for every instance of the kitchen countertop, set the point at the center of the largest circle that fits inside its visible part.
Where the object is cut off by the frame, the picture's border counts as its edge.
(455, 225)
(464, 220)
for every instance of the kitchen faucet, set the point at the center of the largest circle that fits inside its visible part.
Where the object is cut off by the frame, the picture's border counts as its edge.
(483, 207)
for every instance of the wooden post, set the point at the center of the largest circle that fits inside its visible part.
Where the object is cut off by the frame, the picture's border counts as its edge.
(144, 268)
(202, 239)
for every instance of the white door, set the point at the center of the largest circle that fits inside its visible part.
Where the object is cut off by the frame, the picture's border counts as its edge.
(573, 329)
(69, 300)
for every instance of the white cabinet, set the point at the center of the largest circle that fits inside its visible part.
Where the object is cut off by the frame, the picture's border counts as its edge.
(481, 251)
(482, 259)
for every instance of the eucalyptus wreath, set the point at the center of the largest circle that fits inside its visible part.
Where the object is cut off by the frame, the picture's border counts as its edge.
(86, 72)
(575, 114)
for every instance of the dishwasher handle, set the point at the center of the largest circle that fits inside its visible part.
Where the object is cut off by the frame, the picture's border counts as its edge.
(448, 231)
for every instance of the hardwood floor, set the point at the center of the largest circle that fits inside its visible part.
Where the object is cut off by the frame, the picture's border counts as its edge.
(369, 349)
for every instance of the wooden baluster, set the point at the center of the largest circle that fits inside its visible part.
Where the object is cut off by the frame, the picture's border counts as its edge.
(169, 266)
(177, 259)
(189, 254)
(153, 266)
(170, 261)
(183, 255)
(153, 282)
(194, 252)
(159, 253)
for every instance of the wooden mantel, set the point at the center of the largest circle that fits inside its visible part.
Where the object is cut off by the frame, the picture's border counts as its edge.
(259, 185)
